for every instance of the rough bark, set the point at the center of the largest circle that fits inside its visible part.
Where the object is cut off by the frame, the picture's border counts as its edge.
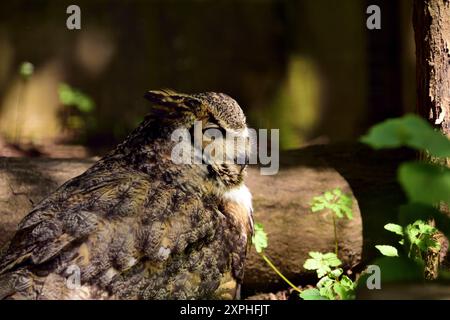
(281, 203)
(431, 20)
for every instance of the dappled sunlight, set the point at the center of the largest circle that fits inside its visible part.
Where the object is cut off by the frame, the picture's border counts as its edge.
(29, 110)
(94, 50)
(296, 107)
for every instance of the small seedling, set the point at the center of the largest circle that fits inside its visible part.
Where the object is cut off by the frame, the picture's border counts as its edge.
(332, 283)
(339, 203)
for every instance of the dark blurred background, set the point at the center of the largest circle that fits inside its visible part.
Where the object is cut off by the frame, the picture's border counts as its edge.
(310, 67)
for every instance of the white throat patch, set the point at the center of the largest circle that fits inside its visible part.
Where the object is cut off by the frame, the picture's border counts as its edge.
(242, 196)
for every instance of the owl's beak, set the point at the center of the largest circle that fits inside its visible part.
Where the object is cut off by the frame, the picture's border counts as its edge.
(244, 165)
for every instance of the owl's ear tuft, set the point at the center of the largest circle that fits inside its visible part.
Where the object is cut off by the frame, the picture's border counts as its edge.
(171, 99)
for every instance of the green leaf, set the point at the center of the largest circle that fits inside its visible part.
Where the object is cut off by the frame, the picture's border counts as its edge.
(323, 270)
(344, 293)
(331, 259)
(336, 273)
(321, 262)
(26, 69)
(70, 96)
(348, 212)
(427, 242)
(325, 282)
(409, 131)
(328, 292)
(334, 200)
(347, 282)
(395, 228)
(311, 264)
(84, 103)
(425, 183)
(338, 192)
(65, 94)
(328, 196)
(259, 239)
(311, 294)
(388, 251)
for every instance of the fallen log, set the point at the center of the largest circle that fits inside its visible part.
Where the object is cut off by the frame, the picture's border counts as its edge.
(281, 204)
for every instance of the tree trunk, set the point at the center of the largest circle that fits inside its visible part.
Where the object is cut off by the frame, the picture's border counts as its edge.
(431, 20)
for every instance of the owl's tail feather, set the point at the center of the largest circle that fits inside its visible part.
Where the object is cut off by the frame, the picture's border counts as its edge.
(14, 282)
(6, 287)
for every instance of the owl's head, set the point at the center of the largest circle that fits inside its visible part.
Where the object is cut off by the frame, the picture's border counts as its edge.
(217, 120)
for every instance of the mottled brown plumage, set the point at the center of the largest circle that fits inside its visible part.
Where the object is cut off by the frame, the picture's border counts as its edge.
(136, 225)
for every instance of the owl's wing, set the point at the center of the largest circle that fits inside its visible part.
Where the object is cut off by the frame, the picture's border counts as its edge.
(78, 209)
(130, 237)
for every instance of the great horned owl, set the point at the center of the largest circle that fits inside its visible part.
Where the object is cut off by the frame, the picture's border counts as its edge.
(137, 226)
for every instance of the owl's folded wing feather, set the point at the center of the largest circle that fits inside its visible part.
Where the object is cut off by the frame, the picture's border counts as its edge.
(126, 235)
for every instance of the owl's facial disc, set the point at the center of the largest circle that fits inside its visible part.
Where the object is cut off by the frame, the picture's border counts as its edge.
(226, 152)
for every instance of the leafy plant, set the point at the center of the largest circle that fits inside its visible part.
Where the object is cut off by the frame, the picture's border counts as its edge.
(388, 251)
(322, 263)
(70, 96)
(418, 237)
(338, 203)
(261, 241)
(426, 184)
(334, 200)
(333, 283)
(79, 107)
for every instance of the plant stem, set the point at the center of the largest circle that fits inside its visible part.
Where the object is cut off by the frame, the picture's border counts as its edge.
(279, 273)
(336, 247)
(18, 125)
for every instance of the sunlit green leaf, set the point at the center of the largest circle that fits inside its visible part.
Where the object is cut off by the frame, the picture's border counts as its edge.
(70, 96)
(322, 263)
(395, 228)
(336, 273)
(347, 282)
(311, 294)
(259, 239)
(344, 292)
(328, 292)
(409, 131)
(388, 251)
(331, 259)
(336, 201)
